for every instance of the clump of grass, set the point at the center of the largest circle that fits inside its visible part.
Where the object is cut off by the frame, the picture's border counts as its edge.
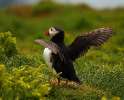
(108, 77)
(84, 92)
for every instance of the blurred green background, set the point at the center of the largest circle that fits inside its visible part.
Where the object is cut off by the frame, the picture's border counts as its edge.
(101, 68)
(28, 22)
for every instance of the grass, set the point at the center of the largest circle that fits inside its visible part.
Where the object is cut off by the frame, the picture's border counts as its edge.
(100, 70)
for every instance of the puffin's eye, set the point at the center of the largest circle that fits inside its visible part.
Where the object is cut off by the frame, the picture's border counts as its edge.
(51, 29)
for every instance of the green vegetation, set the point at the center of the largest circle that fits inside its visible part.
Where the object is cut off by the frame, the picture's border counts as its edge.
(18, 79)
(23, 74)
(21, 83)
(7, 44)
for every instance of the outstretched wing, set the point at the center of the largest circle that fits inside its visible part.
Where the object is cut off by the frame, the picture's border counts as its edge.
(82, 43)
(52, 46)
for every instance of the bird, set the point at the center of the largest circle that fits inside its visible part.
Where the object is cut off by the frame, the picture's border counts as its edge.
(61, 57)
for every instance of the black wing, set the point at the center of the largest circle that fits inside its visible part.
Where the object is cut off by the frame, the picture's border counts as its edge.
(82, 43)
(52, 46)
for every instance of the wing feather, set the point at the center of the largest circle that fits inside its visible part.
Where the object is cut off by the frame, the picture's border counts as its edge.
(82, 43)
(52, 46)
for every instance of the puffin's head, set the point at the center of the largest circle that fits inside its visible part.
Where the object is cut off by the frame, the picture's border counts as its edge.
(54, 32)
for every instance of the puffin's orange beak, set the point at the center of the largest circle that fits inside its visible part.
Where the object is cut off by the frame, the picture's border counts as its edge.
(47, 33)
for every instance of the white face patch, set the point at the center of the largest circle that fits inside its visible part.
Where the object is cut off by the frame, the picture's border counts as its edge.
(52, 32)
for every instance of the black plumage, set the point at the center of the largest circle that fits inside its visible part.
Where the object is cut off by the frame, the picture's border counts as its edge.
(63, 56)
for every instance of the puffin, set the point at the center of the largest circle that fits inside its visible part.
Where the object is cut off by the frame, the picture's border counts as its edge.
(61, 57)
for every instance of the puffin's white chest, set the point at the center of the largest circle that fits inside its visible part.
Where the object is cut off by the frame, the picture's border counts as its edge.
(47, 56)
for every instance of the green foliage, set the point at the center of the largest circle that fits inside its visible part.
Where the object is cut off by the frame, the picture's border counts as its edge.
(9, 54)
(7, 44)
(21, 81)
(83, 92)
(44, 7)
(101, 68)
(19, 60)
(108, 77)
(25, 82)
